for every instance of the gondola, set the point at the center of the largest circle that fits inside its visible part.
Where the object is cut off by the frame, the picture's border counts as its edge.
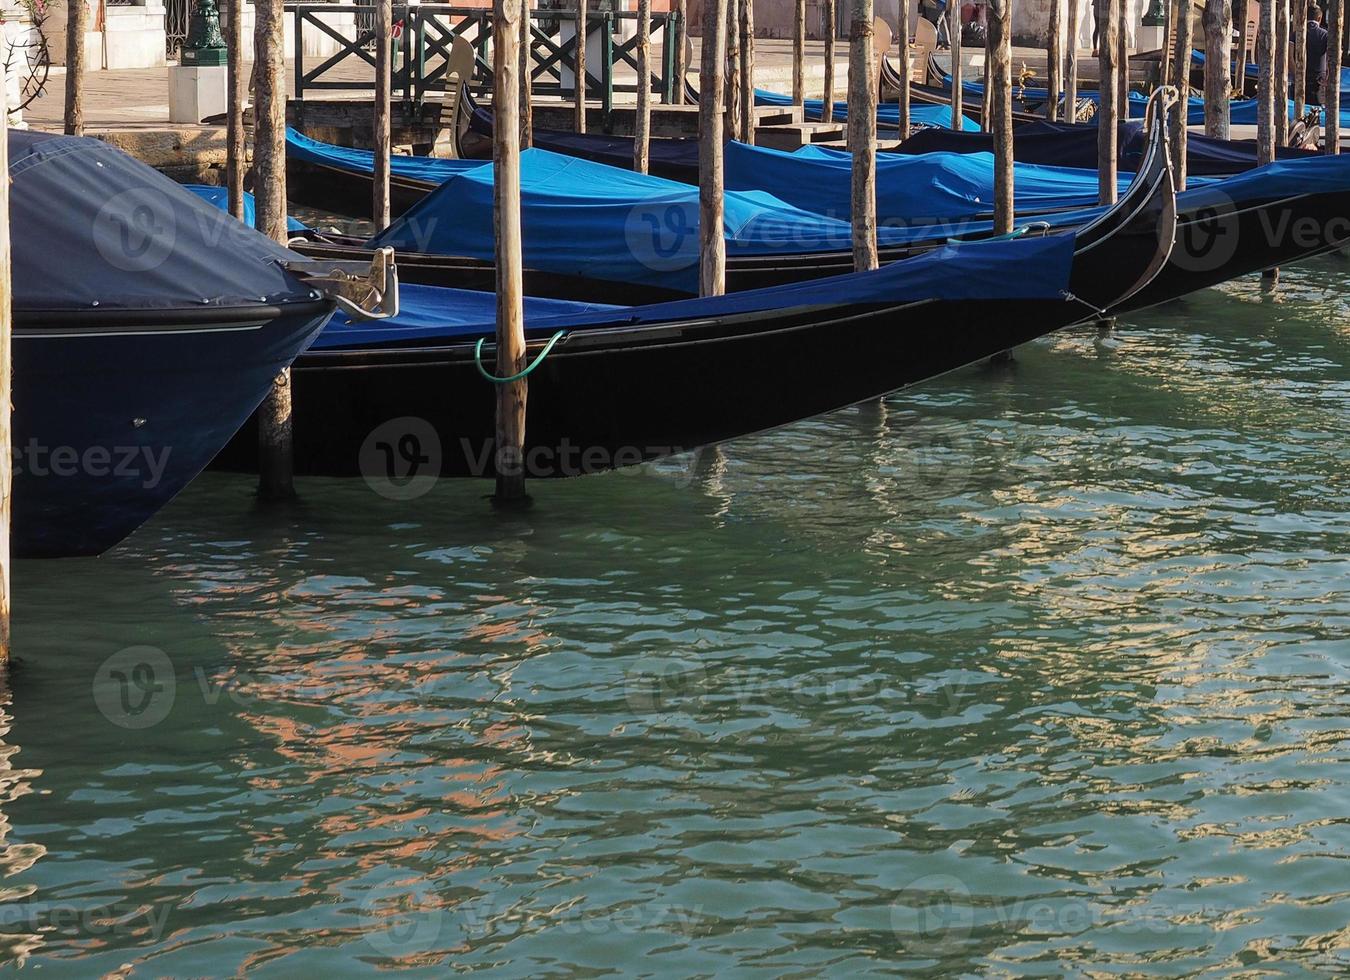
(147, 327)
(610, 387)
(1062, 144)
(1273, 216)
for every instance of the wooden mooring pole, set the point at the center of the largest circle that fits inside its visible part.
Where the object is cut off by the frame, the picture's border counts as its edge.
(384, 29)
(1107, 117)
(1265, 83)
(527, 75)
(798, 54)
(733, 70)
(862, 134)
(579, 68)
(902, 31)
(1331, 100)
(1054, 59)
(6, 374)
(1001, 125)
(1123, 62)
(511, 396)
(1281, 72)
(1218, 21)
(681, 54)
(77, 22)
(954, 30)
(830, 28)
(747, 89)
(642, 126)
(1298, 56)
(236, 95)
(276, 452)
(1071, 69)
(1239, 69)
(711, 175)
(1181, 78)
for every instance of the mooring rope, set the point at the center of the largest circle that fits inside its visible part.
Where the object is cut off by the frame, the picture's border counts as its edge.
(478, 360)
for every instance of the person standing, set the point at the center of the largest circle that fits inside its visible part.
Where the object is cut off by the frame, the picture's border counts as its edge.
(1315, 71)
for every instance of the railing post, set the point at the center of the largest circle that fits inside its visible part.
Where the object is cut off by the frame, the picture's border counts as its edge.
(299, 42)
(669, 39)
(607, 57)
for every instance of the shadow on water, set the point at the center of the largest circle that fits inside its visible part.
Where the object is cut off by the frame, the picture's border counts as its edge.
(1035, 668)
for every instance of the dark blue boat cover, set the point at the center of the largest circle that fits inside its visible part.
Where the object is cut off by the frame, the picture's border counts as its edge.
(1070, 145)
(428, 170)
(1031, 268)
(98, 229)
(584, 218)
(936, 187)
(219, 197)
(888, 113)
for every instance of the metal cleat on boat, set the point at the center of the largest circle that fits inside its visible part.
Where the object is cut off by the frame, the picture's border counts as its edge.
(361, 291)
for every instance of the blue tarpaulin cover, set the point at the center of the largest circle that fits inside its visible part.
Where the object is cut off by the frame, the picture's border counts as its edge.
(888, 113)
(587, 219)
(428, 169)
(100, 229)
(1031, 268)
(219, 197)
(936, 186)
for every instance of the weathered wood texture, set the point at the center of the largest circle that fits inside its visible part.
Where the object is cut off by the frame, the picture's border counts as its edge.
(1218, 22)
(1107, 115)
(747, 84)
(828, 15)
(1265, 60)
(642, 136)
(527, 78)
(579, 69)
(954, 30)
(862, 135)
(236, 96)
(6, 381)
(1281, 72)
(1071, 69)
(1054, 59)
(711, 173)
(384, 15)
(77, 22)
(799, 54)
(511, 396)
(1001, 123)
(1331, 100)
(276, 457)
(903, 31)
(1181, 78)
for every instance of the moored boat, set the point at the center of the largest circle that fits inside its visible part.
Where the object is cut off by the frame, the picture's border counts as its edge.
(147, 327)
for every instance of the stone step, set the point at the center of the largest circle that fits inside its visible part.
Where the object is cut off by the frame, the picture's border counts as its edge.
(797, 135)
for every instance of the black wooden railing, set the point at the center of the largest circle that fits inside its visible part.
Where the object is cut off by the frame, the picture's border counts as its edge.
(424, 33)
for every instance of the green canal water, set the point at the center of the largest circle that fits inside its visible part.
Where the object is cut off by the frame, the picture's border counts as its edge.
(1035, 670)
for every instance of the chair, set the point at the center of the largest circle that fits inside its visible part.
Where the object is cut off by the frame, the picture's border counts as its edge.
(921, 48)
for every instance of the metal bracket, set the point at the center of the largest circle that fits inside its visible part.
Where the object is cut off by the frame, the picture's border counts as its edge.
(360, 291)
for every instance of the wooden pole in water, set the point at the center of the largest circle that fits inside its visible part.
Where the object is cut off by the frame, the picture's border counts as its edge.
(1169, 39)
(830, 28)
(1106, 110)
(6, 375)
(511, 397)
(527, 76)
(1123, 61)
(1181, 77)
(733, 70)
(954, 30)
(986, 94)
(77, 22)
(711, 176)
(681, 65)
(579, 68)
(1331, 100)
(862, 134)
(902, 129)
(642, 127)
(236, 95)
(1054, 59)
(1001, 126)
(1298, 57)
(1265, 83)
(799, 54)
(276, 452)
(1218, 21)
(384, 29)
(1240, 62)
(747, 29)
(1281, 72)
(1071, 81)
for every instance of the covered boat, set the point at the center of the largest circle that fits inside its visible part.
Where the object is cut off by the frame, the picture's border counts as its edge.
(617, 386)
(147, 327)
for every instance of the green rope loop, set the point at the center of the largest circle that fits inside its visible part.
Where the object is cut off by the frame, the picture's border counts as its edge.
(1015, 233)
(478, 360)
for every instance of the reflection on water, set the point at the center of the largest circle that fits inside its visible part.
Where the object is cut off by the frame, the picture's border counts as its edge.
(1037, 669)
